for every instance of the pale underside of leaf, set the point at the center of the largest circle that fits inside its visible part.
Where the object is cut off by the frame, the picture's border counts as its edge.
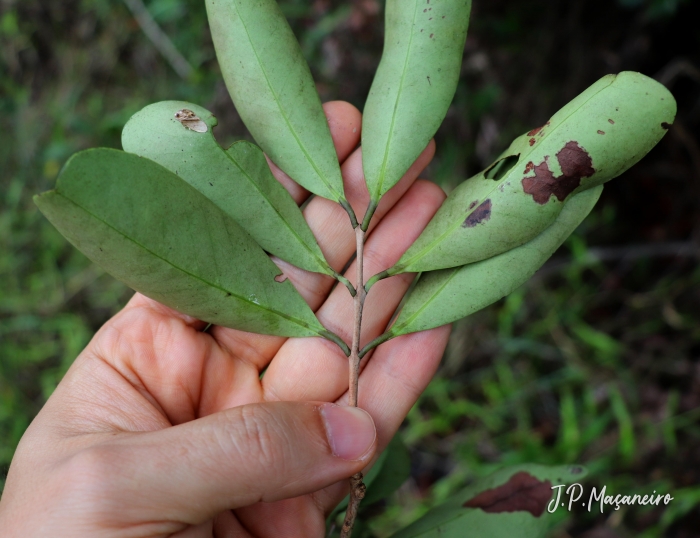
(641, 107)
(238, 180)
(447, 295)
(272, 88)
(413, 86)
(156, 233)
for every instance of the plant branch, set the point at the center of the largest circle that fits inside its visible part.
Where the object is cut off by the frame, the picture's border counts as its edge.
(371, 208)
(159, 38)
(348, 209)
(359, 303)
(376, 278)
(357, 487)
(374, 343)
(328, 335)
(340, 278)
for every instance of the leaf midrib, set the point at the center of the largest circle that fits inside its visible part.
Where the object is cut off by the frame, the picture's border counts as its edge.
(427, 302)
(457, 223)
(185, 271)
(321, 262)
(382, 172)
(282, 111)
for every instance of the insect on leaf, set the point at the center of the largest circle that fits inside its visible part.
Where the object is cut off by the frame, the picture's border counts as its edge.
(413, 87)
(160, 236)
(515, 501)
(271, 85)
(189, 120)
(237, 180)
(447, 295)
(596, 137)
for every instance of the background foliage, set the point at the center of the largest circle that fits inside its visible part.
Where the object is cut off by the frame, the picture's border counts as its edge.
(595, 361)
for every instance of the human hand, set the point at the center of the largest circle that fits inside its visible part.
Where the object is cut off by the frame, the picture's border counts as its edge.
(161, 429)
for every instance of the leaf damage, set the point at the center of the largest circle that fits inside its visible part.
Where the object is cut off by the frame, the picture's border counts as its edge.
(479, 215)
(537, 130)
(575, 163)
(522, 493)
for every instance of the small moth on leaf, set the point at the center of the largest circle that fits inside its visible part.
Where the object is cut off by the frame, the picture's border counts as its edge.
(190, 120)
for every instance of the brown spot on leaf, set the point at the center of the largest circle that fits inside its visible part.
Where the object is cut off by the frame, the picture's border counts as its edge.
(431, 35)
(575, 164)
(611, 122)
(665, 125)
(522, 493)
(529, 167)
(534, 131)
(601, 132)
(473, 204)
(532, 141)
(480, 214)
(280, 278)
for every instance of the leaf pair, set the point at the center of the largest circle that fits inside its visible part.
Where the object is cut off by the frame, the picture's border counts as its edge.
(211, 268)
(272, 88)
(497, 228)
(596, 137)
(162, 237)
(238, 180)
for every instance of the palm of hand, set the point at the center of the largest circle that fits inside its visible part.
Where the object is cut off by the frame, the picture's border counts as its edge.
(151, 368)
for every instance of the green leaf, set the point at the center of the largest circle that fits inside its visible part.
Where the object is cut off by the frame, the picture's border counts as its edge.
(413, 87)
(596, 137)
(160, 236)
(516, 501)
(271, 85)
(389, 472)
(237, 180)
(447, 295)
(394, 471)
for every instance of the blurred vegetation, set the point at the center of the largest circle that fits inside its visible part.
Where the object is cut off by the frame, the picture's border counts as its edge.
(595, 361)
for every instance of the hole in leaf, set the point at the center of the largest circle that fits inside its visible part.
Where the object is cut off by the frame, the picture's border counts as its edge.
(500, 168)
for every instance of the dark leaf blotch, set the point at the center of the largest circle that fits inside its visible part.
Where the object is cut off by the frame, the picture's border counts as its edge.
(480, 214)
(522, 493)
(575, 164)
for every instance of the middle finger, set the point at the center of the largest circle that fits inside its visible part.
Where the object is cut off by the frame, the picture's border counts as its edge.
(316, 369)
(331, 226)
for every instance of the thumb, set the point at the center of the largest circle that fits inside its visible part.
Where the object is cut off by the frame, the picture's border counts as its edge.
(259, 452)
